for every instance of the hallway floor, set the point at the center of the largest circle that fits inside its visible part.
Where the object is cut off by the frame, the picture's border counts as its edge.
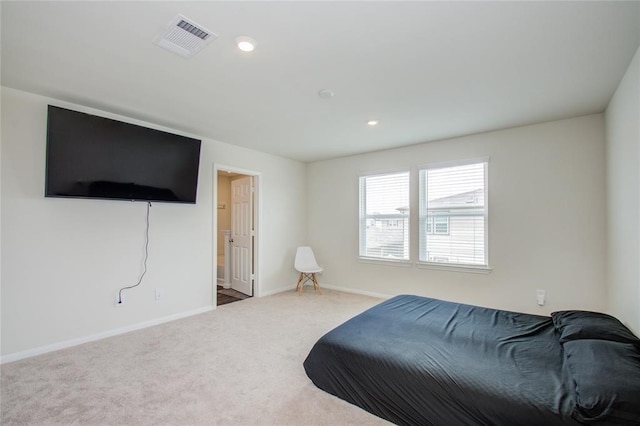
(225, 296)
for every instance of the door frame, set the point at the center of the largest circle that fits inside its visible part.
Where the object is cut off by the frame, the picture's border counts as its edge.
(257, 219)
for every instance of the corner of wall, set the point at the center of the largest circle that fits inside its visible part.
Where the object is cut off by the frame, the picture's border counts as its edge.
(622, 121)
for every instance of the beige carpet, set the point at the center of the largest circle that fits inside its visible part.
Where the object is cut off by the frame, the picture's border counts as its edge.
(238, 365)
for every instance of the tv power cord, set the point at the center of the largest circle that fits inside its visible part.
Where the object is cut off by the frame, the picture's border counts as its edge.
(146, 257)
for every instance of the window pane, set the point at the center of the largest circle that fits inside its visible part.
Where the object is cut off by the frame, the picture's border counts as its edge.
(429, 225)
(453, 199)
(384, 216)
(441, 225)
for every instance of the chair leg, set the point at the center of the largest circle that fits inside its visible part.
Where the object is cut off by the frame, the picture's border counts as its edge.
(300, 284)
(316, 286)
(303, 278)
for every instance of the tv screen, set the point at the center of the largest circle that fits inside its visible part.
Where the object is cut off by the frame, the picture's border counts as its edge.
(96, 157)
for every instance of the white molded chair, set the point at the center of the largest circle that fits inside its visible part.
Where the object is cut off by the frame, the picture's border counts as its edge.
(306, 264)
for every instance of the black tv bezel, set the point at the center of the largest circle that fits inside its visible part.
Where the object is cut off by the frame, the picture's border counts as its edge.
(47, 193)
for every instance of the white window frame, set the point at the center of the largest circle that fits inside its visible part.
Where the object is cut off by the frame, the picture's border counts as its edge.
(422, 228)
(363, 219)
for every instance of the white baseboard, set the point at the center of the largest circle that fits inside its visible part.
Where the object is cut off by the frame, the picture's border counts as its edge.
(276, 291)
(362, 292)
(331, 287)
(91, 338)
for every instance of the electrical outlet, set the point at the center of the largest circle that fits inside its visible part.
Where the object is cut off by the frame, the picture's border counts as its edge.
(119, 299)
(159, 294)
(540, 296)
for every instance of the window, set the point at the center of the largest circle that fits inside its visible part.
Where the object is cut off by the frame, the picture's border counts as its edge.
(453, 215)
(384, 216)
(441, 225)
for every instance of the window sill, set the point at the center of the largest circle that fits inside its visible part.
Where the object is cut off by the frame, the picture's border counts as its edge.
(455, 268)
(389, 262)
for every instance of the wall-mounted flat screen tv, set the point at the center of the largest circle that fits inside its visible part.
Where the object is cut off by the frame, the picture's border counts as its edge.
(96, 157)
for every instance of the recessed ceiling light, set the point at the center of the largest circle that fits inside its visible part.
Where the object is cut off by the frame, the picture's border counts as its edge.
(246, 44)
(372, 123)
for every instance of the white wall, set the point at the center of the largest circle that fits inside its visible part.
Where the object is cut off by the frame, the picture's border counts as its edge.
(64, 259)
(623, 197)
(546, 218)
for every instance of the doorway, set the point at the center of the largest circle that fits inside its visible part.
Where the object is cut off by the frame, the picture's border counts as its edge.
(235, 234)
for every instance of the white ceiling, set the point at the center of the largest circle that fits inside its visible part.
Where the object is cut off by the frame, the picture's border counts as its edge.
(426, 70)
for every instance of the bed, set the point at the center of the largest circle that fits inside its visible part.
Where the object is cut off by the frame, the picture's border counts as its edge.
(420, 361)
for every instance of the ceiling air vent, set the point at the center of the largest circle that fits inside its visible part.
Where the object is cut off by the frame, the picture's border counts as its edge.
(184, 37)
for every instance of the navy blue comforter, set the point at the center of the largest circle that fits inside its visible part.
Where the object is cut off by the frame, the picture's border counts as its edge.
(419, 361)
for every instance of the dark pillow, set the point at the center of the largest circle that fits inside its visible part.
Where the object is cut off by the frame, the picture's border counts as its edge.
(573, 325)
(607, 380)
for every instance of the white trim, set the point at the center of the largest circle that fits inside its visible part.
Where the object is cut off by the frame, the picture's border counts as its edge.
(331, 287)
(455, 268)
(487, 258)
(277, 290)
(362, 292)
(99, 336)
(387, 262)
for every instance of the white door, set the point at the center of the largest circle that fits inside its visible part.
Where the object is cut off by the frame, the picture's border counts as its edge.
(242, 235)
